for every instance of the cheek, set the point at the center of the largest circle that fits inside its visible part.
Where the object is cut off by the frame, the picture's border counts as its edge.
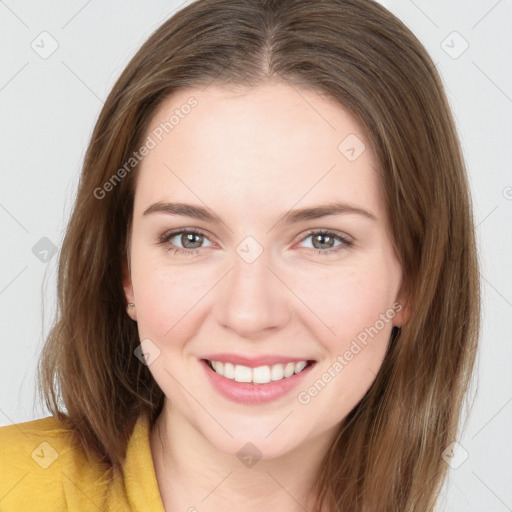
(167, 301)
(170, 305)
(359, 309)
(355, 307)
(344, 302)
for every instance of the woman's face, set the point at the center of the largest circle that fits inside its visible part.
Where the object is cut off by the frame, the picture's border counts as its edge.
(257, 283)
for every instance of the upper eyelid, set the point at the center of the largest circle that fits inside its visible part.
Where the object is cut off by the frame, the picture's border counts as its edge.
(171, 233)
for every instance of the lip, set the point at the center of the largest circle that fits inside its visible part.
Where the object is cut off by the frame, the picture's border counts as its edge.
(248, 393)
(254, 362)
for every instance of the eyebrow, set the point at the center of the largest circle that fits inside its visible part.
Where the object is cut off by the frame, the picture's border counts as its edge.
(290, 217)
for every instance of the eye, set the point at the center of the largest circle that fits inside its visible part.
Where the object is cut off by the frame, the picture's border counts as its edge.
(191, 240)
(323, 241)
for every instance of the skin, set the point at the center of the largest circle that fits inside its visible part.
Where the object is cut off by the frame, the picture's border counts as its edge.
(250, 155)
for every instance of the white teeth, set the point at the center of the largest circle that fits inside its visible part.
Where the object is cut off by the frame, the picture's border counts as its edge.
(229, 371)
(300, 366)
(218, 367)
(259, 375)
(289, 369)
(243, 374)
(277, 372)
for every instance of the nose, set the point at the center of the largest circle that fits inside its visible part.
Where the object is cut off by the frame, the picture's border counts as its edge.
(253, 299)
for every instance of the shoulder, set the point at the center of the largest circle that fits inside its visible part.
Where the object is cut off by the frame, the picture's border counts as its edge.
(45, 467)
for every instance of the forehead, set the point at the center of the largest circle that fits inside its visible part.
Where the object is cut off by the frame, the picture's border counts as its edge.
(272, 142)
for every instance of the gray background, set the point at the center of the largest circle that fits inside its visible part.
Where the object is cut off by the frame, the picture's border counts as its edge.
(48, 107)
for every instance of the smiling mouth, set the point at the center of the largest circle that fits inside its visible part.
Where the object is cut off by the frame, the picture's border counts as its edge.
(260, 375)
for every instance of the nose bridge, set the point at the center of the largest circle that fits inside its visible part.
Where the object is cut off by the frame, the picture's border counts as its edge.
(253, 299)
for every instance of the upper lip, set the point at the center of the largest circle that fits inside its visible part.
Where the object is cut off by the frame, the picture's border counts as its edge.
(254, 361)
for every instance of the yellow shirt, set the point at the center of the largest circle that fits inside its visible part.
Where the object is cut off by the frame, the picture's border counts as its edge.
(43, 469)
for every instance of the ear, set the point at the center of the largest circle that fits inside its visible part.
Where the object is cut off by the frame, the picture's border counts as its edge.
(128, 289)
(402, 307)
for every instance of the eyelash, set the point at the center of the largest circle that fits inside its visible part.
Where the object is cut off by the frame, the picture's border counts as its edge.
(166, 237)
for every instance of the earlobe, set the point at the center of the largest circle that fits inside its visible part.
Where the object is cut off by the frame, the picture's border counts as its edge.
(402, 314)
(128, 291)
(402, 309)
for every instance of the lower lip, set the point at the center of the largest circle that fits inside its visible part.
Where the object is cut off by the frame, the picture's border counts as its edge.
(247, 393)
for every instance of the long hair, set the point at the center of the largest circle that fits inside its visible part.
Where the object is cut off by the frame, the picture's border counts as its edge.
(388, 453)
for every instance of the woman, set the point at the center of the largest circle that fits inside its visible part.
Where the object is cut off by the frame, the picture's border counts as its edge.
(268, 288)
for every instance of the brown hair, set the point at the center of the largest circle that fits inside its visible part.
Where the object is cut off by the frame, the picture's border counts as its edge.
(387, 456)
